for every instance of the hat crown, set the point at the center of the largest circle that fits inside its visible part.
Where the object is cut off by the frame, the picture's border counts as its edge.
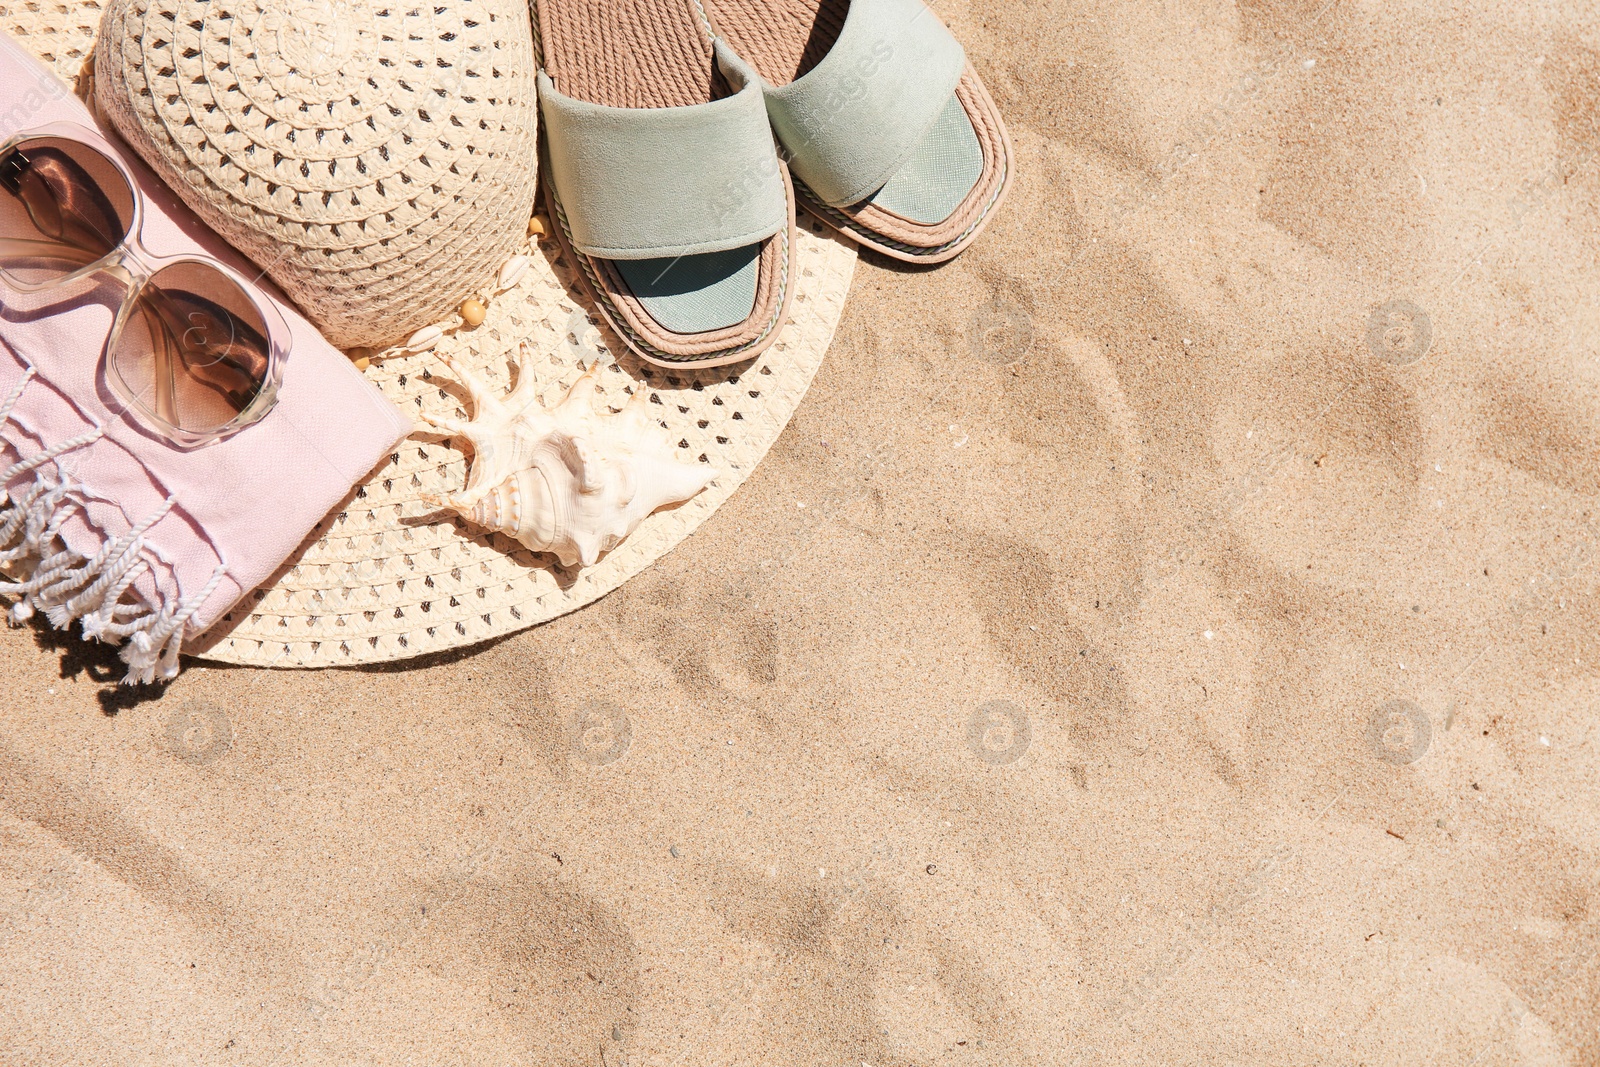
(376, 159)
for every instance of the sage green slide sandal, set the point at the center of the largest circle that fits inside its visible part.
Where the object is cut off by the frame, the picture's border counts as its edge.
(663, 179)
(891, 135)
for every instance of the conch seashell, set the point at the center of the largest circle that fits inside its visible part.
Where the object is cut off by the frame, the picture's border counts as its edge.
(571, 480)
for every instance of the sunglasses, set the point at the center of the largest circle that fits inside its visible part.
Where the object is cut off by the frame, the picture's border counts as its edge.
(195, 349)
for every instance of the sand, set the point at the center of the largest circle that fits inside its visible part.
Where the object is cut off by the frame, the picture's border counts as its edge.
(1164, 635)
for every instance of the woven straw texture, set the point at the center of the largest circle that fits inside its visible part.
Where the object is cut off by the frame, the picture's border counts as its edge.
(391, 576)
(377, 160)
(61, 33)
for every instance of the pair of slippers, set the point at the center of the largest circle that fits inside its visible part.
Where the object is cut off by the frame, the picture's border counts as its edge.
(668, 189)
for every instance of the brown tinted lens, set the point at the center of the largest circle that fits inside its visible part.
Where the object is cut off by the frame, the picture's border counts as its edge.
(63, 205)
(196, 353)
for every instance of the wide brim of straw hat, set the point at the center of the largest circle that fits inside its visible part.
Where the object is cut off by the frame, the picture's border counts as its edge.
(391, 576)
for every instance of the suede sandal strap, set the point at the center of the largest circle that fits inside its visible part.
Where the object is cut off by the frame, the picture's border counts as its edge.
(643, 183)
(852, 121)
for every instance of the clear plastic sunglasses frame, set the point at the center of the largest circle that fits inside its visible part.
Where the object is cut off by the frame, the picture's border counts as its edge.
(133, 265)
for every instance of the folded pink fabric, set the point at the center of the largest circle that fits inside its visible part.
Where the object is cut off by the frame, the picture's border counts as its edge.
(102, 521)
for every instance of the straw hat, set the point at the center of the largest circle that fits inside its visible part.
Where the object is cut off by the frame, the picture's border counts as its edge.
(376, 160)
(389, 576)
(392, 576)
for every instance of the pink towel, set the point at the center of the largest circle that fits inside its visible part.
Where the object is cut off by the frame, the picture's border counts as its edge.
(104, 522)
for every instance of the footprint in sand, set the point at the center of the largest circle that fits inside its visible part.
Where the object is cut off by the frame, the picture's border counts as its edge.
(1441, 1009)
(733, 661)
(552, 971)
(1317, 458)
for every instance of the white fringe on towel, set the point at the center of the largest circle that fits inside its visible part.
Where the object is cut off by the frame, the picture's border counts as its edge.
(67, 586)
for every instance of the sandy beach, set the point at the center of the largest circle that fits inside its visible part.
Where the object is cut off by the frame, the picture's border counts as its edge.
(1164, 635)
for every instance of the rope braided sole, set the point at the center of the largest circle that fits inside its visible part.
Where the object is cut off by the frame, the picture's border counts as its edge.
(653, 54)
(784, 40)
(601, 292)
(388, 577)
(913, 242)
